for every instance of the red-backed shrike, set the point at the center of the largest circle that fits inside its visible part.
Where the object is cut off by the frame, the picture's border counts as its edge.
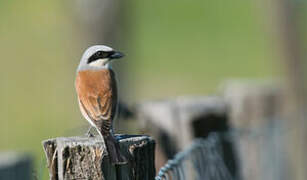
(97, 95)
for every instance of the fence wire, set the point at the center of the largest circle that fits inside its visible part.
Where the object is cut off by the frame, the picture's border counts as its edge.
(257, 153)
(203, 160)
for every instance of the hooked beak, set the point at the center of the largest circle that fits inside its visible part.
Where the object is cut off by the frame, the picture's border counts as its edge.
(116, 55)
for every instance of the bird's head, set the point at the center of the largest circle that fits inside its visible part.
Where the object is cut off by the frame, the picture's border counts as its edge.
(98, 56)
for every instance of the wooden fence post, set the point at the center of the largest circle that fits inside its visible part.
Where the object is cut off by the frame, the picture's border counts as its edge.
(174, 123)
(178, 118)
(289, 27)
(15, 166)
(86, 158)
(256, 120)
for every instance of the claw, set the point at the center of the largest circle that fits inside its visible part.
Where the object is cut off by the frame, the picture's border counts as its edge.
(88, 133)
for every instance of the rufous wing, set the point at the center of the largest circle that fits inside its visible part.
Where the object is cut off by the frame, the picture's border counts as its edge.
(98, 97)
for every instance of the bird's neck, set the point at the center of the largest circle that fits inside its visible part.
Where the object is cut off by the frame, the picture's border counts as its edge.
(104, 67)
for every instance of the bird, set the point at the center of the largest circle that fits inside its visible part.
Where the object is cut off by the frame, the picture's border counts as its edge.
(96, 87)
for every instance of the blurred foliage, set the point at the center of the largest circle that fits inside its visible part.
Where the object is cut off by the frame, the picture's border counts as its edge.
(173, 48)
(39, 58)
(190, 48)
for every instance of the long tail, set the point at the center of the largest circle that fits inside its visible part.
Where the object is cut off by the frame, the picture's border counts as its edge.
(113, 149)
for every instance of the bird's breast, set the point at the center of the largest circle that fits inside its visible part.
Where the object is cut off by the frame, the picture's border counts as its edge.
(95, 81)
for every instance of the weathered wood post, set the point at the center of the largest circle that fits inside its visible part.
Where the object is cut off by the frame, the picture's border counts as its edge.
(15, 166)
(289, 29)
(180, 119)
(174, 123)
(86, 158)
(255, 119)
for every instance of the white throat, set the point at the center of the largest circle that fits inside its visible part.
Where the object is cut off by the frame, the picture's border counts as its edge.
(103, 63)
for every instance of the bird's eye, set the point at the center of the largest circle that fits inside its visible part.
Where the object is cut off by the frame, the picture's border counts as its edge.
(99, 53)
(94, 57)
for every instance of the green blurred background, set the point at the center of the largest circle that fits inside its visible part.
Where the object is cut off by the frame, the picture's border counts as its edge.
(173, 48)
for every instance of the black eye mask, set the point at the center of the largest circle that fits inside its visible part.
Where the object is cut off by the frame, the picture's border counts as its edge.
(100, 55)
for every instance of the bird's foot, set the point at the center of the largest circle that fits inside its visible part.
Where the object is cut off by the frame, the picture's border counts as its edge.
(88, 133)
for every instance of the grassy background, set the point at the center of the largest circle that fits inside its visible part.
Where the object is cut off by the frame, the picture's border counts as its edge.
(173, 48)
(190, 48)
